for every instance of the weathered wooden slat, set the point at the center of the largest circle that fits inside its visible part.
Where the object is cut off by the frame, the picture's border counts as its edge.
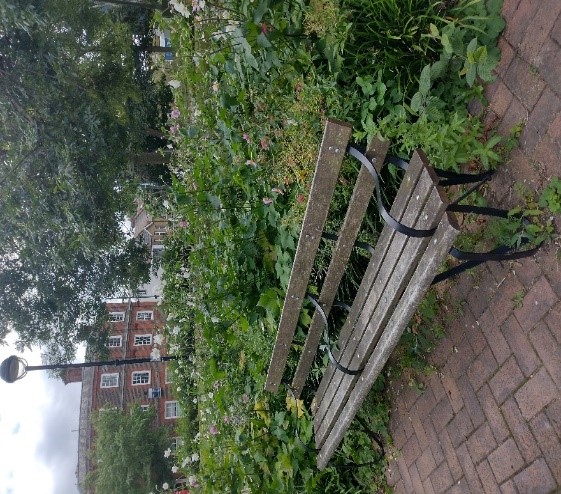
(435, 253)
(384, 296)
(335, 138)
(391, 280)
(358, 205)
(400, 212)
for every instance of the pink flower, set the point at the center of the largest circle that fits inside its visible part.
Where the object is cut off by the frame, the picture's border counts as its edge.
(175, 113)
(300, 198)
(215, 87)
(278, 191)
(251, 163)
(246, 137)
(266, 28)
(174, 129)
(264, 143)
(213, 429)
(267, 201)
(245, 398)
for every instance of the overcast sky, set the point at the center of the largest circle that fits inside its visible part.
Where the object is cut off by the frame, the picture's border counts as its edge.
(38, 433)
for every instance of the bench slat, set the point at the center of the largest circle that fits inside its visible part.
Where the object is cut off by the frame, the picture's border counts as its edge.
(439, 246)
(358, 205)
(395, 269)
(335, 139)
(397, 211)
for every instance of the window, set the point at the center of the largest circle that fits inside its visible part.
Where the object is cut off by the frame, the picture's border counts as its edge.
(142, 339)
(144, 315)
(114, 341)
(172, 410)
(154, 392)
(116, 316)
(140, 293)
(176, 442)
(140, 377)
(110, 380)
(159, 233)
(168, 375)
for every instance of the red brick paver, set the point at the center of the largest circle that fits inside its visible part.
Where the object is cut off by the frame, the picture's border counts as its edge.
(489, 419)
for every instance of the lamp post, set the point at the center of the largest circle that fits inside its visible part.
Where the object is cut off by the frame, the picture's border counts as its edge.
(14, 368)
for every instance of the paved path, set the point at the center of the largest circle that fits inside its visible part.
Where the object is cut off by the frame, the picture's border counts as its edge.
(489, 420)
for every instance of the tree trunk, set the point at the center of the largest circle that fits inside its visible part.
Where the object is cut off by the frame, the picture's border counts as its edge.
(153, 158)
(155, 133)
(132, 3)
(159, 49)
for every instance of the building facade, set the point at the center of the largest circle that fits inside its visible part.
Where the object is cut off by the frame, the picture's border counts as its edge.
(135, 328)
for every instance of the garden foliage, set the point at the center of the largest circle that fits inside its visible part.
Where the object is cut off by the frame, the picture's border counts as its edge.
(253, 84)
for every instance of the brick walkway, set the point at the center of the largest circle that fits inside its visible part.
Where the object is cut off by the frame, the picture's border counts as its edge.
(489, 421)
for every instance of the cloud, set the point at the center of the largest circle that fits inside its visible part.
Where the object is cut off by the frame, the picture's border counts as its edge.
(39, 427)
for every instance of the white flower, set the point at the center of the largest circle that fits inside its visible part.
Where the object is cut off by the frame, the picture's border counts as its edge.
(174, 469)
(158, 339)
(186, 462)
(192, 481)
(211, 394)
(165, 486)
(195, 400)
(195, 457)
(155, 355)
(174, 83)
(167, 452)
(178, 388)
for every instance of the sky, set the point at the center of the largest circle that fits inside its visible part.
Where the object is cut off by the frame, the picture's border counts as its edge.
(38, 432)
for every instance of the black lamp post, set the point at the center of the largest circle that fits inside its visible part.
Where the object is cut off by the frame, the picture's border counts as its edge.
(14, 368)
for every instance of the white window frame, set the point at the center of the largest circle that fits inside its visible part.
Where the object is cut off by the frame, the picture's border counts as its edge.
(172, 407)
(115, 338)
(145, 408)
(141, 381)
(109, 380)
(139, 339)
(147, 315)
(116, 316)
(176, 442)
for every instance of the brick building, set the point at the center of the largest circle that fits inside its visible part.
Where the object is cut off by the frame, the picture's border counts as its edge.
(134, 328)
(134, 331)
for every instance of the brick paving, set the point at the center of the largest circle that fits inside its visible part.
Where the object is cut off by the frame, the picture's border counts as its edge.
(489, 420)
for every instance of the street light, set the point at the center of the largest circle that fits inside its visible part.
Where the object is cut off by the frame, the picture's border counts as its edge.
(14, 368)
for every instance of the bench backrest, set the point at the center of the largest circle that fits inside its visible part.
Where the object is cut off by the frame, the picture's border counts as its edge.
(399, 273)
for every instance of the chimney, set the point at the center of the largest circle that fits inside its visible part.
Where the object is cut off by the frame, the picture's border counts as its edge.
(72, 375)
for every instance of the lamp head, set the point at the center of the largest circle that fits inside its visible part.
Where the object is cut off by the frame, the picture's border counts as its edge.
(12, 369)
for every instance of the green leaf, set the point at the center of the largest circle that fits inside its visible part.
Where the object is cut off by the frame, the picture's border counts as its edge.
(260, 11)
(446, 44)
(416, 102)
(470, 76)
(424, 81)
(263, 41)
(434, 30)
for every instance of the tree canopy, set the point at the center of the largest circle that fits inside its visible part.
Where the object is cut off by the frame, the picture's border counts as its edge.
(76, 104)
(128, 452)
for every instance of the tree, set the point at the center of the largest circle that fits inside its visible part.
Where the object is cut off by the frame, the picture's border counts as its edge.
(128, 452)
(71, 117)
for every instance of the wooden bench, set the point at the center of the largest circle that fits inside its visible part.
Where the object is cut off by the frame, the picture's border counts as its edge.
(405, 260)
